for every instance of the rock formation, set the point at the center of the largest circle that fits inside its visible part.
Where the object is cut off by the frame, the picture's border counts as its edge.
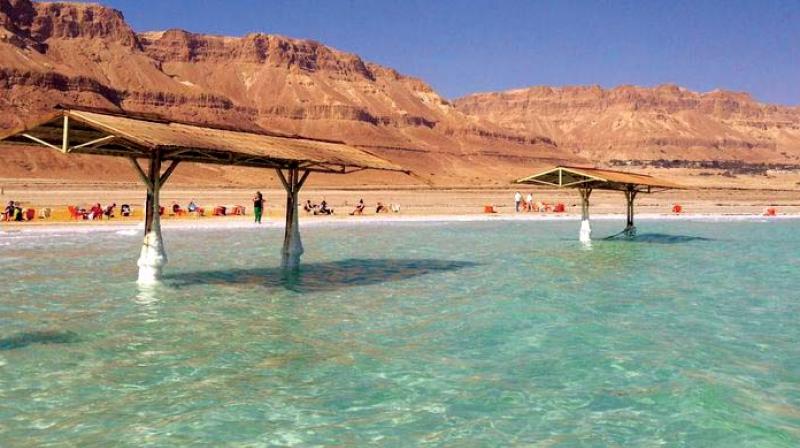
(86, 54)
(640, 126)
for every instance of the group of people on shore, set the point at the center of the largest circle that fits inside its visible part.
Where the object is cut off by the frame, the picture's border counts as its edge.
(324, 209)
(97, 211)
(318, 209)
(527, 204)
(13, 212)
(380, 207)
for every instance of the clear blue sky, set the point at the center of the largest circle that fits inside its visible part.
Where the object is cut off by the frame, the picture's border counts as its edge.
(461, 47)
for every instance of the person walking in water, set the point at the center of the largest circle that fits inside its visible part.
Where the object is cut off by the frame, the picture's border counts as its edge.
(258, 206)
(517, 200)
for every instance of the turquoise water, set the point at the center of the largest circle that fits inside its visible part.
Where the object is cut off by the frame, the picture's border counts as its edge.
(440, 334)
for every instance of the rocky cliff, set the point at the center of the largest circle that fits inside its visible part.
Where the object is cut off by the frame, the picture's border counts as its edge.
(635, 125)
(86, 54)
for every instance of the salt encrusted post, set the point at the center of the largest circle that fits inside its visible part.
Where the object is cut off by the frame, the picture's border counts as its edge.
(585, 235)
(292, 245)
(153, 256)
(630, 196)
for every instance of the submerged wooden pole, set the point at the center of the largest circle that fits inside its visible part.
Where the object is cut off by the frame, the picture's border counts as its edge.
(152, 257)
(585, 235)
(630, 197)
(292, 244)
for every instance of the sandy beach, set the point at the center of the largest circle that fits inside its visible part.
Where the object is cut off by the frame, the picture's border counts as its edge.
(416, 205)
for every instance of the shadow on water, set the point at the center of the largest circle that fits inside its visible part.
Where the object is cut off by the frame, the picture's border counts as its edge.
(326, 276)
(27, 338)
(660, 238)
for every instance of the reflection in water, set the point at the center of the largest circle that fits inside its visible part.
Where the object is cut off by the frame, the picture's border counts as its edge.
(146, 294)
(27, 338)
(322, 276)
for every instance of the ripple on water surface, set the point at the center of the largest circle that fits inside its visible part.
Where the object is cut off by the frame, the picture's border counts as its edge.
(451, 334)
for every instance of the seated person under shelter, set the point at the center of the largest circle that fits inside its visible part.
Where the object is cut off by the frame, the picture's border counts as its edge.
(109, 211)
(96, 212)
(177, 210)
(8, 213)
(359, 210)
(18, 215)
(192, 207)
(381, 208)
(125, 210)
(323, 208)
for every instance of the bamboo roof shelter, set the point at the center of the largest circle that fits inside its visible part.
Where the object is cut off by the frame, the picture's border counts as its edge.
(585, 180)
(155, 141)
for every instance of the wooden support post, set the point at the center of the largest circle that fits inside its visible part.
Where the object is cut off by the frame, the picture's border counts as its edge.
(585, 235)
(292, 245)
(153, 257)
(65, 139)
(630, 197)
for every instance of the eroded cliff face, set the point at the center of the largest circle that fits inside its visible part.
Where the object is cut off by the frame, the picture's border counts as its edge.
(85, 54)
(645, 124)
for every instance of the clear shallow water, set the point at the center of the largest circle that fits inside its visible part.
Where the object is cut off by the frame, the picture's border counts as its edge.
(446, 334)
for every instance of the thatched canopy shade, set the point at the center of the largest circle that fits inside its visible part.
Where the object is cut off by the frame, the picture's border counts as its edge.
(91, 132)
(598, 179)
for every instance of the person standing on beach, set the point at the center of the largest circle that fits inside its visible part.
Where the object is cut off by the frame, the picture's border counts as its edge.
(529, 205)
(517, 200)
(258, 206)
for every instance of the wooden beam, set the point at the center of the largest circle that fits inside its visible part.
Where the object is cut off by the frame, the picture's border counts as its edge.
(303, 179)
(93, 143)
(142, 176)
(168, 172)
(283, 180)
(65, 140)
(41, 142)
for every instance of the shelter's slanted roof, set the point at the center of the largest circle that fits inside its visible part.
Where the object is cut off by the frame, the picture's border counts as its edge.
(596, 178)
(91, 132)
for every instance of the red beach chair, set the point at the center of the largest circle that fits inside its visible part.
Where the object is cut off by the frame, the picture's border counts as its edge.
(74, 213)
(30, 214)
(219, 210)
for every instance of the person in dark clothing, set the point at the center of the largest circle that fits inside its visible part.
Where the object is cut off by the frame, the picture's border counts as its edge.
(323, 208)
(109, 211)
(8, 214)
(258, 206)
